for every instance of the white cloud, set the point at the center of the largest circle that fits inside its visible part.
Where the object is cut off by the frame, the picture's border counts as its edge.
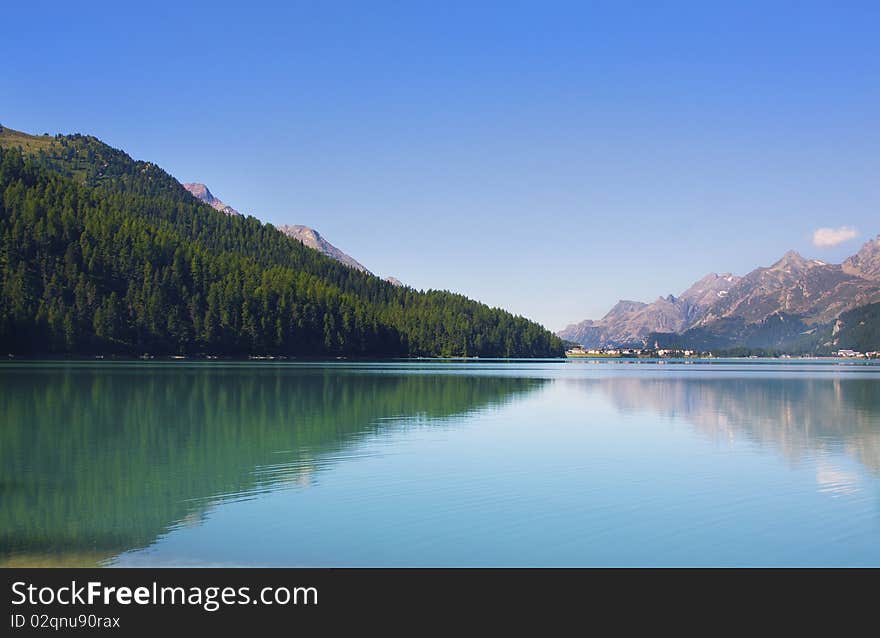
(827, 237)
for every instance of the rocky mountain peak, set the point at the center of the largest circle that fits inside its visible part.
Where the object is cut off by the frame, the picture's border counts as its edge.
(791, 260)
(309, 237)
(312, 239)
(623, 307)
(200, 191)
(709, 289)
(866, 262)
(725, 308)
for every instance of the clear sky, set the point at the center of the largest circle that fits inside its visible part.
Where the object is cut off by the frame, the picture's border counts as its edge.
(549, 158)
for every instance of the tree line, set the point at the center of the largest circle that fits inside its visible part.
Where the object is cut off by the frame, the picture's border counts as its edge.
(103, 254)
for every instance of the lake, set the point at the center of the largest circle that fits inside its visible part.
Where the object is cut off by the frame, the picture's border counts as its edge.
(490, 463)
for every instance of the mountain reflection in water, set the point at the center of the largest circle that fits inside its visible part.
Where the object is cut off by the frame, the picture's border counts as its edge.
(491, 463)
(796, 416)
(98, 459)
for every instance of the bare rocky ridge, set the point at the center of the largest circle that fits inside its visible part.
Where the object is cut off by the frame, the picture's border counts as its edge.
(796, 286)
(811, 291)
(866, 262)
(309, 237)
(201, 192)
(312, 238)
(630, 322)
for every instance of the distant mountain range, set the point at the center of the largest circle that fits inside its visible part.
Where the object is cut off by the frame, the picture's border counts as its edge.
(795, 303)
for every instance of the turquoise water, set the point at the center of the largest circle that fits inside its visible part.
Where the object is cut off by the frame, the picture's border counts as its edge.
(440, 463)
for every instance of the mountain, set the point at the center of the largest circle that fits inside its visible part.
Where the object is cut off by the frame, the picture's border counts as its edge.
(309, 237)
(630, 322)
(794, 285)
(866, 262)
(709, 290)
(200, 191)
(857, 329)
(312, 238)
(789, 302)
(103, 254)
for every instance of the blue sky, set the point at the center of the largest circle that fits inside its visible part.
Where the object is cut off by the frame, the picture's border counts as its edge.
(549, 158)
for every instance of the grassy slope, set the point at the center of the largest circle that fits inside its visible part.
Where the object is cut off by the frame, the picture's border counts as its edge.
(11, 138)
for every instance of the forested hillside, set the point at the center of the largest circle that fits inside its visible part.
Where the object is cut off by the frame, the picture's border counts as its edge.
(858, 329)
(103, 254)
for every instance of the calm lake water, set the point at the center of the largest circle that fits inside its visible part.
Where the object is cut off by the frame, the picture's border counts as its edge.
(547, 463)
